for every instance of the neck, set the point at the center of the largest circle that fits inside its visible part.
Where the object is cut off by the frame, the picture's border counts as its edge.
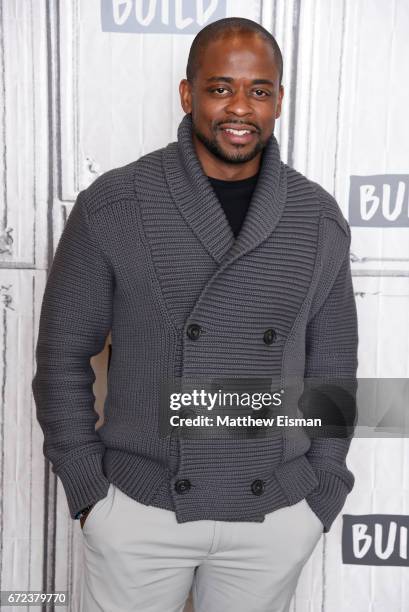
(217, 168)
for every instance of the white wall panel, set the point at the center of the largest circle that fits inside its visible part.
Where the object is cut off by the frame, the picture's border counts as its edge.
(21, 460)
(23, 134)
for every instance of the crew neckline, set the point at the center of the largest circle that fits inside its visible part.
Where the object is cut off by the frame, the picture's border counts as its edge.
(249, 179)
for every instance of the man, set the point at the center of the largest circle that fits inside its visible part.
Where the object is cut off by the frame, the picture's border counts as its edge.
(208, 258)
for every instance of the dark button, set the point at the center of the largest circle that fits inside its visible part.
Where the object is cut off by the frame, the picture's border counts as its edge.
(182, 486)
(194, 331)
(257, 487)
(269, 336)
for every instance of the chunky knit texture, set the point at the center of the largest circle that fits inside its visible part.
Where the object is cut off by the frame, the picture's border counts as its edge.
(147, 251)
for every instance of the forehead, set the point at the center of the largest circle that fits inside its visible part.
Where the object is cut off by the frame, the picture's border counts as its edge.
(239, 56)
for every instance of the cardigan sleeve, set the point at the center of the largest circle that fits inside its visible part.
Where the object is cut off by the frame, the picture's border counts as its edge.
(331, 353)
(75, 320)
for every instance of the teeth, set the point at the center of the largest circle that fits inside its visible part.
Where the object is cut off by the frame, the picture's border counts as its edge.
(237, 132)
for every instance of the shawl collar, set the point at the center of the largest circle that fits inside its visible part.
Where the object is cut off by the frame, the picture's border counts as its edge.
(198, 203)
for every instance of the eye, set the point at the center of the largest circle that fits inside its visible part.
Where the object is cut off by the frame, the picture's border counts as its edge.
(260, 93)
(219, 90)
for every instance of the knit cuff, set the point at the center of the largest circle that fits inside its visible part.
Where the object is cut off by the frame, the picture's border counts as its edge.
(84, 482)
(328, 498)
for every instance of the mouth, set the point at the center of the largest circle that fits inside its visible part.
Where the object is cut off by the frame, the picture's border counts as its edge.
(236, 135)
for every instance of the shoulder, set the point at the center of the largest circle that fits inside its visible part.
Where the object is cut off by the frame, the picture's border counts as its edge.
(329, 207)
(119, 184)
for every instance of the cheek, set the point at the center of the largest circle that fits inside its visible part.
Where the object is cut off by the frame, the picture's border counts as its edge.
(268, 120)
(201, 112)
(204, 120)
(210, 111)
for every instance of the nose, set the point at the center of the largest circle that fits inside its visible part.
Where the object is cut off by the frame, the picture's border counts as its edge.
(239, 104)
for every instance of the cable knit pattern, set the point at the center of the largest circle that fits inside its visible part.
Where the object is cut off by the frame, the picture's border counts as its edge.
(146, 252)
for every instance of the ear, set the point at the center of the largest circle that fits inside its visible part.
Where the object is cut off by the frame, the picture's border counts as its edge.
(279, 101)
(185, 92)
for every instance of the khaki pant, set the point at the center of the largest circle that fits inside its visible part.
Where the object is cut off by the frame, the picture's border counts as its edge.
(138, 558)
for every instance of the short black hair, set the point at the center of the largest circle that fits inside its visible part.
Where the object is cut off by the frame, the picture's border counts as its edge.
(229, 25)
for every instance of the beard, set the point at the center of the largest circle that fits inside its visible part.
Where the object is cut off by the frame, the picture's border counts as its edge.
(232, 158)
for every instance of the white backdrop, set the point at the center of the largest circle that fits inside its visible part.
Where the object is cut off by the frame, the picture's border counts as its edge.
(77, 100)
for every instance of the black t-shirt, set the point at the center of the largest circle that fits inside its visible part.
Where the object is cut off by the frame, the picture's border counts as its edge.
(235, 198)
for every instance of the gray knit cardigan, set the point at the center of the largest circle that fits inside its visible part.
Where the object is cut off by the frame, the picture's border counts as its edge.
(146, 252)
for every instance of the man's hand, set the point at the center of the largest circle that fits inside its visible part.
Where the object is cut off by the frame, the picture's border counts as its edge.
(84, 518)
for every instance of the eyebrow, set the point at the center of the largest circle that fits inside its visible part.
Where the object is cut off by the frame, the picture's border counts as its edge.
(231, 80)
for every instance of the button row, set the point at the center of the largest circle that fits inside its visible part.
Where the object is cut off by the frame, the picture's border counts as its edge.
(183, 486)
(194, 330)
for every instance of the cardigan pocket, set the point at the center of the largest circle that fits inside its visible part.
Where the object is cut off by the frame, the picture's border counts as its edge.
(96, 509)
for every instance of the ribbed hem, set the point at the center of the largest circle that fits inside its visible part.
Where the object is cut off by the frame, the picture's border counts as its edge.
(84, 482)
(138, 476)
(328, 499)
(215, 493)
(296, 478)
(325, 488)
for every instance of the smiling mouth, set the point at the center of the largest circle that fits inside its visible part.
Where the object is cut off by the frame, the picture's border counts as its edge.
(237, 132)
(237, 136)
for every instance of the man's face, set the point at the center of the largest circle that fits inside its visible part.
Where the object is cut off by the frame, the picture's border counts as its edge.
(235, 97)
